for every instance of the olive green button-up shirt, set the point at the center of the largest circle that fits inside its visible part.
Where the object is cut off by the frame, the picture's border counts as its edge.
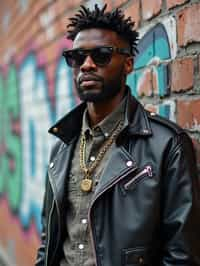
(77, 247)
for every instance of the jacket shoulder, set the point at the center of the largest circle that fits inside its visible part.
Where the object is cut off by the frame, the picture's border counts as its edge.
(167, 134)
(157, 120)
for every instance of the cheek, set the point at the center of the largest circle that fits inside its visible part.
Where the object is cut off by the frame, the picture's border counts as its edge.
(115, 73)
(116, 68)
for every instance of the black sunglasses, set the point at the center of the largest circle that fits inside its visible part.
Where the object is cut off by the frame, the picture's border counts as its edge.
(100, 55)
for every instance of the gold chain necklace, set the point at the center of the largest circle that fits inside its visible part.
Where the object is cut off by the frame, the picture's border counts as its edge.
(86, 183)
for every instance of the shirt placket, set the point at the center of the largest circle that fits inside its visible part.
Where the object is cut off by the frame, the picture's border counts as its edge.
(93, 144)
(84, 205)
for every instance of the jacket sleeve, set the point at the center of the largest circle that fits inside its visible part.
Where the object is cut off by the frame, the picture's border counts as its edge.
(40, 260)
(181, 208)
(47, 204)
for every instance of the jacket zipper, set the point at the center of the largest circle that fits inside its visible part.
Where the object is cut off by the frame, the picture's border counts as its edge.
(147, 170)
(48, 228)
(89, 211)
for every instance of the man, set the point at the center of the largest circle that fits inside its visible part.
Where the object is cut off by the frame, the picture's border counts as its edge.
(122, 182)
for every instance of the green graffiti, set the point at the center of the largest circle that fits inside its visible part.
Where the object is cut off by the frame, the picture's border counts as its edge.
(2, 134)
(13, 168)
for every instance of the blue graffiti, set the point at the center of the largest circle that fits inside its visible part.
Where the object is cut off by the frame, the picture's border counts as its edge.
(154, 44)
(64, 94)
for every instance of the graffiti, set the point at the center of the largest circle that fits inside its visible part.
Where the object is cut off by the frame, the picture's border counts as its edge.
(28, 107)
(2, 134)
(24, 136)
(154, 50)
(35, 119)
(11, 163)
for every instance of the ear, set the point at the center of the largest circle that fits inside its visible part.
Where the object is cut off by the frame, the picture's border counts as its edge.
(129, 64)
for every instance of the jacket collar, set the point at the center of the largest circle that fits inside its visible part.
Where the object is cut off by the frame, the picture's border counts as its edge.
(69, 126)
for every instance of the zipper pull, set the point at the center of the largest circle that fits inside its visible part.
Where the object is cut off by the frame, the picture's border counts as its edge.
(149, 171)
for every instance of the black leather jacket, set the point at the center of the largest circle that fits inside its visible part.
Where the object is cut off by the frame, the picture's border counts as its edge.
(144, 211)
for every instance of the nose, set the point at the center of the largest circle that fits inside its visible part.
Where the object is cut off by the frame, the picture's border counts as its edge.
(88, 64)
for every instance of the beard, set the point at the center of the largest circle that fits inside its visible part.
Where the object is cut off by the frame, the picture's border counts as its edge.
(103, 91)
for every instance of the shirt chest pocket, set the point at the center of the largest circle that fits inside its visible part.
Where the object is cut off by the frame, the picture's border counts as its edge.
(136, 257)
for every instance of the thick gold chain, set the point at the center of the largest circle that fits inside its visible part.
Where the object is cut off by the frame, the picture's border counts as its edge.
(88, 170)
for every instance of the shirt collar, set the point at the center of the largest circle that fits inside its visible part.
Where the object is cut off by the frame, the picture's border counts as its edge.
(107, 125)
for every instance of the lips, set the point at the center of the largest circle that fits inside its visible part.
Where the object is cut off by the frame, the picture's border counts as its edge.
(88, 78)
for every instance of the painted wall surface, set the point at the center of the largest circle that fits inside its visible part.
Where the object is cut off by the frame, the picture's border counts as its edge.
(36, 89)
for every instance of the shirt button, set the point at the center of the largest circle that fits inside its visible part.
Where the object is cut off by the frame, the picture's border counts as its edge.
(51, 165)
(81, 246)
(106, 135)
(84, 221)
(129, 163)
(92, 158)
(141, 260)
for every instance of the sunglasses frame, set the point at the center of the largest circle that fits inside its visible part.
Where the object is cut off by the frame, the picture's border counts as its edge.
(112, 49)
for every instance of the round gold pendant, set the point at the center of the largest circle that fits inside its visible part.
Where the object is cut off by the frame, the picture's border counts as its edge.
(86, 185)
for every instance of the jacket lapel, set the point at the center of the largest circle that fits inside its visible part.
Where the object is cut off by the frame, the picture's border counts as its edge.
(118, 165)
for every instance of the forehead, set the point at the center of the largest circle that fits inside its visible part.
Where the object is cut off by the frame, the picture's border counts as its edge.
(97, 37)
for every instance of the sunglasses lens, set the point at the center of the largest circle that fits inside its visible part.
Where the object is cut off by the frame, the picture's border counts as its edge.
(101, 56)
(79, 57)
(74, 58)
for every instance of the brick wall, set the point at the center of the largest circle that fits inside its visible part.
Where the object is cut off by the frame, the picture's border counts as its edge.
(36, 89)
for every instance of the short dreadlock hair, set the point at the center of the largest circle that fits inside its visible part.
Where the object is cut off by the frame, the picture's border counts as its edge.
(98, 18)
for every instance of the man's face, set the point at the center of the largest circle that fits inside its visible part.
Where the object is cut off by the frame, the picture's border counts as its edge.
(96, 83)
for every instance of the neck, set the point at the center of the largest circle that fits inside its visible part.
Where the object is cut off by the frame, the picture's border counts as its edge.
(98, 111)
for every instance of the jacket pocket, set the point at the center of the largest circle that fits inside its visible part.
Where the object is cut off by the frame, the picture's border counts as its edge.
(135, 257)
(145, 173)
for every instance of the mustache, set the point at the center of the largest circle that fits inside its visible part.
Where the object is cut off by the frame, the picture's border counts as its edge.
(89, 76)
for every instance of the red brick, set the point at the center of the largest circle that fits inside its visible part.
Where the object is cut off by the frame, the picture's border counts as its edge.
(182, 74)
(188, 114)
(151, 8)
(39, 6)
(118, 3)
(61, 6)
(133, 11)
(188, 23)
(109, 4)
(173, 3)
